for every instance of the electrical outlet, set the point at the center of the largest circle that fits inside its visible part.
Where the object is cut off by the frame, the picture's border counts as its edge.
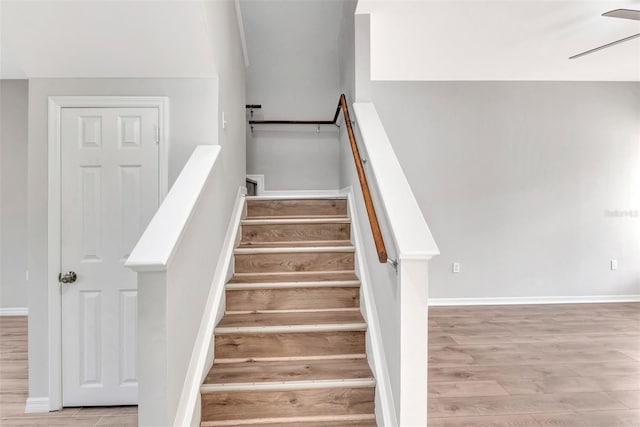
(26, 275)
(455, 267)
(614, 264)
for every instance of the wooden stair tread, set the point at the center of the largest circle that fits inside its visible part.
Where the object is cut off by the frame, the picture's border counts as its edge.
(290, 319)
(289, 250)
(302, 207)
(294, 260)
(294, 217)
(305, 243)
(293, 276)
(282, 404)
(243, 347)
(297, 220)
(303, 370)
(288, 285)
(293, 298)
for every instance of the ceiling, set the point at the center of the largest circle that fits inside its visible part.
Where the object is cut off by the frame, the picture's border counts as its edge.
(104, 39)
(411, 40)
(500, 40)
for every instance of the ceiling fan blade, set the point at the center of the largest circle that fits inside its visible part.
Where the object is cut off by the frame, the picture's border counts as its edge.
(624, 14)
(595, 49)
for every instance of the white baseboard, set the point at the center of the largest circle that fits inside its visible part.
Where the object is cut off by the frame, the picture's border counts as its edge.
(36, 405)
(14, 311)
(261, 191)
(188, 411)
(385, 407)
(438, 302)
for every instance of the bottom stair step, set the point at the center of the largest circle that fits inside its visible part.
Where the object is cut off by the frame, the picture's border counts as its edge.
(262, 407)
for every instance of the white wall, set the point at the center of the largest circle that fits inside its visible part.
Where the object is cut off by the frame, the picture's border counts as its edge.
(162, 38)
(225, 37)
(193, 109)
(519, 181)
(294, 73)
(13, 193)
(500, 40)
(347, 50)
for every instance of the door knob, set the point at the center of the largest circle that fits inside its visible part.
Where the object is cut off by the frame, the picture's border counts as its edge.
(68, 277)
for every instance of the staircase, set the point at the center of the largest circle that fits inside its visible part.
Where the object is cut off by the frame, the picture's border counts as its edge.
(290, 349)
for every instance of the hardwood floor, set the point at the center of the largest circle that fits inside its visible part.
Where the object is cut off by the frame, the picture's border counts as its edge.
(539, 365)
(535, 365)
(14, 384)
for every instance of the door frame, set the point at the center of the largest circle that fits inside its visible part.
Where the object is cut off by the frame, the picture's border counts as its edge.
(56, 104)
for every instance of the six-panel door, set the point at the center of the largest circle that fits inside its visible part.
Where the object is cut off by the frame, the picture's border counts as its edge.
(109, 193)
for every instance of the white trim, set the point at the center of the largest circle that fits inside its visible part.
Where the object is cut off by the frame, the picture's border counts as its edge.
(291, 274)
(287, 221)
(36, 405)
(441, 302)
(289, 385)
(14, 311)
(56, 104)
(296, 310)
(243, 39)
(202, 356)
(375, 353)
(294, 250)
(294, 285)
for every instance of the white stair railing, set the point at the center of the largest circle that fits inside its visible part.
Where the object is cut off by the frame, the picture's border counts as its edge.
(176, 262)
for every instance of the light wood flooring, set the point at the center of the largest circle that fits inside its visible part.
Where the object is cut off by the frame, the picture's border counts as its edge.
(538, 365)
(14, 384)
(535, 365)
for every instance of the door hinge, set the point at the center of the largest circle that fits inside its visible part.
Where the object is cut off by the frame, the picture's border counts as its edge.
(157, 134)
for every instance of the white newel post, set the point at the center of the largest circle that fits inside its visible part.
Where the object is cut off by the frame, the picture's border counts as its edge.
(413, 278)
(152, 357)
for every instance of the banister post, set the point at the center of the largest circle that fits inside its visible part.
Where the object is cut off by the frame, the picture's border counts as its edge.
(152, 358)
(413, 285)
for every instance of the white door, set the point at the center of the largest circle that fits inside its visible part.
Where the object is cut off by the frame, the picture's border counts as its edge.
(109, 193)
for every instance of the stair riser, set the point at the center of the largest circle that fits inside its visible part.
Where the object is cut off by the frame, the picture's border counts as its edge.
(295, 344)
(296, 207)
(294, 262)
(292, 299)
(266, 233)
(223, 406)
